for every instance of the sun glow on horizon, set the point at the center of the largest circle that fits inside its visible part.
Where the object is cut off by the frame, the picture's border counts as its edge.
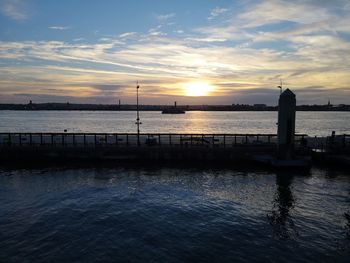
(197, 89)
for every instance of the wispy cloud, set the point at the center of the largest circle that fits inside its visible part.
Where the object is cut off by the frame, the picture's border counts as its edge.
(176, 61)
(60, 27)
(78, 39)
(164, 17)
(217, 12)
(298, 11)
(127, 34)
(14, 9)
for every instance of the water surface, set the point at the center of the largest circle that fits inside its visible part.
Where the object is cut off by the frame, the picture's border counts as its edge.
(311, 123)
(107, 214)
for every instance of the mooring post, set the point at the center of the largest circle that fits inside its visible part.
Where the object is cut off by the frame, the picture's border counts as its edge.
(286, 124)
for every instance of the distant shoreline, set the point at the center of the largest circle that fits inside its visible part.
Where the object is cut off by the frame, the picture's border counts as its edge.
(131, 107)
(160, 110)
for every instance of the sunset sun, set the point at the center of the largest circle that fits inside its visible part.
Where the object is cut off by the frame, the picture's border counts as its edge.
(197, 89)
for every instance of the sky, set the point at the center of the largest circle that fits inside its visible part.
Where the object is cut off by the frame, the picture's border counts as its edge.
(192, 51)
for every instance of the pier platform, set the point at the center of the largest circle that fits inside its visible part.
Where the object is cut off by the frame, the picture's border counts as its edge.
(159, 147)
(131, 146)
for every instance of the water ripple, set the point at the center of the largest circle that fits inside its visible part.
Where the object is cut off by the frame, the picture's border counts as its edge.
(172, 215)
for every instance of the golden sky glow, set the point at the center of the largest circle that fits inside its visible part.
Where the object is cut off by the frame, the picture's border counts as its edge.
(197, 89)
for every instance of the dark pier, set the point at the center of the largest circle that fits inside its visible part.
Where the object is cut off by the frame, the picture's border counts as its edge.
(124, 146)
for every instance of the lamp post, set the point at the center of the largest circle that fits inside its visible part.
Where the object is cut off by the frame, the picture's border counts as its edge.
(280, 87)
(138, 114)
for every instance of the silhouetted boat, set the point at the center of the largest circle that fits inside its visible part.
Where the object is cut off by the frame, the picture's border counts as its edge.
(173, 110)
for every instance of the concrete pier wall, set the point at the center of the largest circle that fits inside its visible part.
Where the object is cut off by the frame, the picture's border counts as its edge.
(202, 148)
(130, 153)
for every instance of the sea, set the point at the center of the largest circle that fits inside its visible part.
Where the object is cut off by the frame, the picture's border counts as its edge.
(106, 212)
(310, 123)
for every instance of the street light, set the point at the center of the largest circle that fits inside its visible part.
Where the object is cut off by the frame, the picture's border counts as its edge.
(280, 87)
(138, 114)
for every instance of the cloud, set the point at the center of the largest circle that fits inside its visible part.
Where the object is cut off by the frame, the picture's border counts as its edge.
(78, 39)
(164, 17)
(243, 58)
(167, 60)
(108, 87)
(206, 39)
(269, 12)
(127, 34)
(14, 9)
(59, 27)
(156, 32)
(217, 11)
(222, 32)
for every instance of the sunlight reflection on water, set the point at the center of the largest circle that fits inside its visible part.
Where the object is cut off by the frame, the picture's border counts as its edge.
(311, 123)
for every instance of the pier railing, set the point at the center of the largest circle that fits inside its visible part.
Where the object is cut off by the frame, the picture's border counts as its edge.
(327, 143)
(145, 139)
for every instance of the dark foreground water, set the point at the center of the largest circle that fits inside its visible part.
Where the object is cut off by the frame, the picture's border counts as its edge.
(173, 215)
